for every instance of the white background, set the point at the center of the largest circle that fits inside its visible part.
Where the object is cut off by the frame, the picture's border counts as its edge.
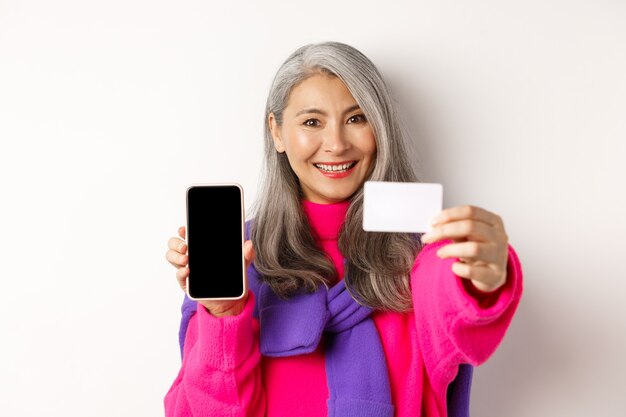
(108, 110)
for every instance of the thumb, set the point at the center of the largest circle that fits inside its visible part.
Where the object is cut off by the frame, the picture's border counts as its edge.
(248, 252)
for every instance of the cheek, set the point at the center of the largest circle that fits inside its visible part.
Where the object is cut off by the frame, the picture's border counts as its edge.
(369, 146)
(301, 146)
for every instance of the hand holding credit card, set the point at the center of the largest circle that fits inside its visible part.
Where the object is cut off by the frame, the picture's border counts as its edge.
(402, 207)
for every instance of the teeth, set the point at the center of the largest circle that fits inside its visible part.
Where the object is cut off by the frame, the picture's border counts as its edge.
(333, 168)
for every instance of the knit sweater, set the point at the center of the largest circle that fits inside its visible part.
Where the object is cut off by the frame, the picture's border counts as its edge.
(224, 374)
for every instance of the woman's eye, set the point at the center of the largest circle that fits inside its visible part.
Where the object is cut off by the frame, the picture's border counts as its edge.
(359, 117)
(306, 122)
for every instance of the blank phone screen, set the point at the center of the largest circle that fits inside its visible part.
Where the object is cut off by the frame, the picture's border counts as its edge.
(214, 241)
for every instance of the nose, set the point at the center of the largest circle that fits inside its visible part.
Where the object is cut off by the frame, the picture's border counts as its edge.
(335, 140)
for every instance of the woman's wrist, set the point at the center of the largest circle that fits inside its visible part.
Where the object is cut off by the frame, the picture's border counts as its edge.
(233, 310)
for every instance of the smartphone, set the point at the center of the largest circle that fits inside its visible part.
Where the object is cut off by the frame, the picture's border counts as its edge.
(215, 238)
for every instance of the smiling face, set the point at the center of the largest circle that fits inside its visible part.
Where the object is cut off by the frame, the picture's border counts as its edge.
(330, 145)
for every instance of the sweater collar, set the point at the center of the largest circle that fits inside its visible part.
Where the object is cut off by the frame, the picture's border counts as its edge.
(326, 219)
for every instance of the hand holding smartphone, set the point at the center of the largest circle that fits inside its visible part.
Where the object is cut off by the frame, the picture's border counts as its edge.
(217, 257)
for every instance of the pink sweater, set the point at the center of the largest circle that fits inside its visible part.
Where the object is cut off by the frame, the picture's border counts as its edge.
(224, 374)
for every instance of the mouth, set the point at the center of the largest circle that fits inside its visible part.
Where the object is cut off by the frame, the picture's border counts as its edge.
(336, 167)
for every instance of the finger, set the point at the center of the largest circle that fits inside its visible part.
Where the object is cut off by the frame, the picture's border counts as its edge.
(462, 229)
(492, 277)
(470, 251)
(467, 212)
(177, 244)
(248, 252)
(181, 231)
(181, 276)
(176, 259)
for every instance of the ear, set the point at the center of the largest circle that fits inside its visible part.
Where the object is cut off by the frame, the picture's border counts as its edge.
(278, 143)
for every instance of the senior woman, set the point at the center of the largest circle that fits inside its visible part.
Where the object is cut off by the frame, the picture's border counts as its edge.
(339, 321)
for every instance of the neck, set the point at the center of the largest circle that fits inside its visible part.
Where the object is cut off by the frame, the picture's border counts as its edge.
(326, 219)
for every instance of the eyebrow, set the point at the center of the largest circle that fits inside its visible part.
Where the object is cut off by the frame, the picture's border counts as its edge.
(318, 111)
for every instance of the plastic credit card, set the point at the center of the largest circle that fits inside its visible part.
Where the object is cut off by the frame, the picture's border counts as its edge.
(400, 206)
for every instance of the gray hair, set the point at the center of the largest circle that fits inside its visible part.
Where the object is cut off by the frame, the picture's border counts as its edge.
(287, 256)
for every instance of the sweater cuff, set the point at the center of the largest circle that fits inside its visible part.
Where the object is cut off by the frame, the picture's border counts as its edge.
(226, 342)
(484, 299)
(484, 306)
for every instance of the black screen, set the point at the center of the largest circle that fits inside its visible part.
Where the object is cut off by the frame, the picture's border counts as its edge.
(214, 240)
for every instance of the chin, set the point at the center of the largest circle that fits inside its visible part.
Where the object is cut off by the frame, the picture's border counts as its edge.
(340, 196)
